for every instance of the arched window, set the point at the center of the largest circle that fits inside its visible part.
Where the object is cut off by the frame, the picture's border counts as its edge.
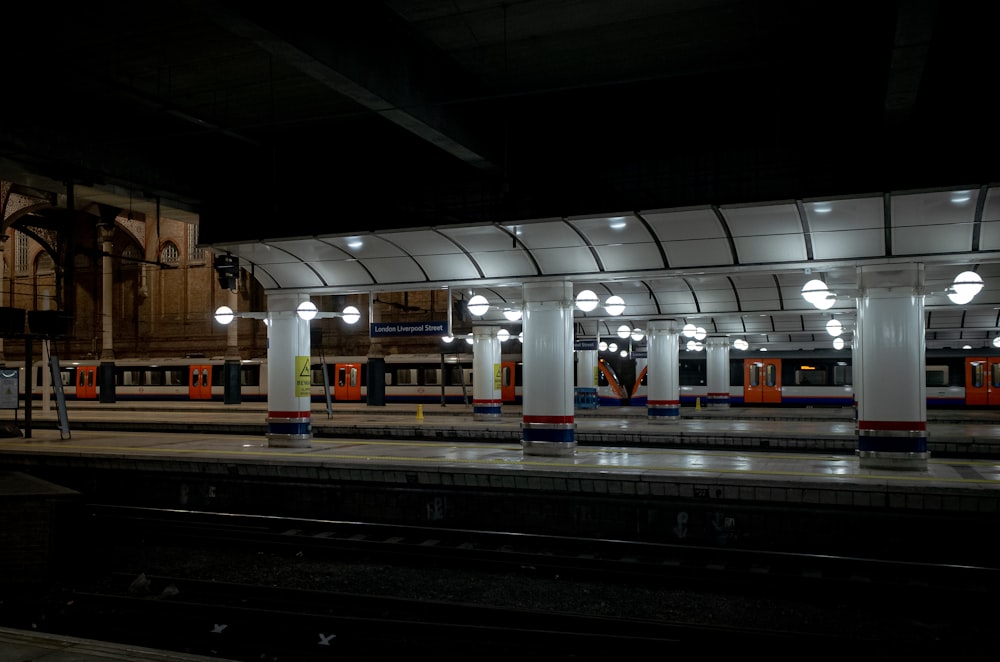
(44, 265)
(131, 257)
(169, 253)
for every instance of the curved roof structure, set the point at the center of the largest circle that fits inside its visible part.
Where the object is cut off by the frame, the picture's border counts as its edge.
(734, 269)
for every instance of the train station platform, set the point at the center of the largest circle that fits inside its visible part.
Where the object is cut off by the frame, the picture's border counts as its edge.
(475, 472)
(33, 646)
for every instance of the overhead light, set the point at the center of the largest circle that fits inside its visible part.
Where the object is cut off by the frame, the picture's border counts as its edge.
(511, 314)
(355, 243)
(613, 347)
(224, 315)
(996, 342)
(587, 301)
(834, 328)
(468, 338)
(447, 339)
(624, 331)
(838, 343)
(637, 334)
(740, 344)
(603, 346)
(478, 305)
(689, 330)
(614, 305)
(623, 353)
(503, 335)
(351, 315)
(960, 197)
(818, 294)
(966, 346)
(965, 287)
(306, 310)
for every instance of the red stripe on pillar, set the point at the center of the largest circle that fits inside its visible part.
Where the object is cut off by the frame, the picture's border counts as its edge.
(907, 426)
(288, 414)
(548, 419)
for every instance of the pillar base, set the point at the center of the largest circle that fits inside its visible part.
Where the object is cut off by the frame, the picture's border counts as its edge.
(487, 416)
(549, 448)
(289, 441)
(889, 460)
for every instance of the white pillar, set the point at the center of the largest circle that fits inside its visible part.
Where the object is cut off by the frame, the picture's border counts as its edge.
(487, 399)
(717, 368)
(548, 427)
(889, 379)
(289, 423)
(663, 402)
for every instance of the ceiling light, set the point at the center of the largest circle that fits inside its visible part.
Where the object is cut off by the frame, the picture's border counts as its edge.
(224, 315)
(306, 310)
(838, 343)
(478, 305)
(503, 335)
(740, 344)
(624, 331)
(511, 314)
(965, 287)
(587, 301)
(834, 328)
(615, 305)
(351, 315)
(690, 330)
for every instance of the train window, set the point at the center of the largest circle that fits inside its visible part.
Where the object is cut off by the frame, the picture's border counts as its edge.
(432, 376)
(506, 378)
(406, 376)
(770, 375)
(316, 376)
(810, 377)
(454, 375)
(129, 378)
(175, 377)
(976, 374)
(250, 375)
(353, 376)
(842, 375)
(937, 375)
(995, 375)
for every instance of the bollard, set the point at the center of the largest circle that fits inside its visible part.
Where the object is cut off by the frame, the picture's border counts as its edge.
(420, 412)
(697, 402)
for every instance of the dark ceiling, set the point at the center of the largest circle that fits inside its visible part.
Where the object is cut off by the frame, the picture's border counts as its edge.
(294, 119)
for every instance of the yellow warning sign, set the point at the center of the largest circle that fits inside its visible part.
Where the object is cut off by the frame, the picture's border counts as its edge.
(303, 376)
(497, 377)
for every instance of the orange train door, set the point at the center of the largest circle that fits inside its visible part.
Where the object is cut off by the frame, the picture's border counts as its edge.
(762, 381)
(982, 381)
(200, 382)
(86, 382)
(507, 383)
(347, 382)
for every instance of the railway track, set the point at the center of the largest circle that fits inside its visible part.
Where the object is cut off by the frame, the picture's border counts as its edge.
(250, 587)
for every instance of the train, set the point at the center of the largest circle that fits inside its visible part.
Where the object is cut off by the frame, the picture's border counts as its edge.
(823, 378)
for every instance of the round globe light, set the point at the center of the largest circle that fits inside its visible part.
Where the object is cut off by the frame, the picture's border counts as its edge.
(834, 328)
(587, 301)
(637, 334)
(351, 315)
(478, 305)
(826, 303)
(503, 335)
(448, 339)
(624, 331)
(741, 344)
(614, 305)
(224, 315)
(966, 286)
(520, 337)
(698, 346)
(623, 353)
(512, 315)
(306, 310)
(996, 341)
(603, 346)
(613, 347)
(700, 333)
(691, 345)
(815, 291)
(689, 330)
(468, 338)
(838, 343)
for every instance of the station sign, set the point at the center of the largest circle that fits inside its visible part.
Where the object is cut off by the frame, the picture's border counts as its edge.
(388, 329)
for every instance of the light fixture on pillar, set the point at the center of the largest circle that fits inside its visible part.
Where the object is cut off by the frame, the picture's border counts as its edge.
(834, 328)
(351, 315)
(614, 305)
(224, 315)
(638, 334)
(478, 305)
(448, 339)
(689, 330)
(740, 344)
(818, 294)
(624, 331)
(996, 342)
(603, 346)
(468, 338)
(965, 286)
(512, 314)
(587, 301)
(838, 343)
(503, 335)
(699, 334)
(307, 310)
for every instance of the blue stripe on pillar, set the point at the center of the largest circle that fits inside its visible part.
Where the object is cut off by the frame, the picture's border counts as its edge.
(877, 444)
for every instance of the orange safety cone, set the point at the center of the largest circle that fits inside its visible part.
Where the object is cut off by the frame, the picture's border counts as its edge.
(420, 412)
